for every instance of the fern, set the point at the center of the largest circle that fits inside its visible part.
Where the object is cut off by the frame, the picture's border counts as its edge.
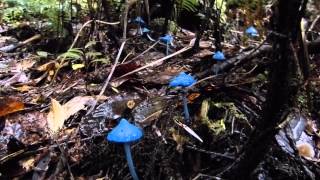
(72, 54)
(189, 5)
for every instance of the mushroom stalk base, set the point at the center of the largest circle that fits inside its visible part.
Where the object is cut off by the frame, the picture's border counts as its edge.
(130, 162)
(167, 48)
(185, 107)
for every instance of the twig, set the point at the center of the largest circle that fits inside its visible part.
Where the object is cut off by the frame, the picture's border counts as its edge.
(108, 79)
(154, 44)
(210, 152)
(155, 62)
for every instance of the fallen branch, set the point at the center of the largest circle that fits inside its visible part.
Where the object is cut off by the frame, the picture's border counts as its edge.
(12, 47)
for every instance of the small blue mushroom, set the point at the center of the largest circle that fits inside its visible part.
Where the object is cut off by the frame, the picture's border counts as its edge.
(183, 80)
(146, 31)
(168, 39)
(138, 20)
(126, 133)
(252, 32)
(218, 56)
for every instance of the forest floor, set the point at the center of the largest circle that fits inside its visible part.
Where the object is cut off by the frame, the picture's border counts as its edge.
(55, 112)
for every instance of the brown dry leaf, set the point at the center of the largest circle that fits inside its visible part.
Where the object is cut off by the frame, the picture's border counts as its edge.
(56, 116)
(76, 104)
(10, 105)
(59, 113)
(48, 66)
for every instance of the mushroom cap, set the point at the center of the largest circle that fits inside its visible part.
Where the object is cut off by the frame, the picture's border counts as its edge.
(124, 132)
(218, 56)
(166, 38)
(183, 80)
(251, 31)
(145, 30)
(139, 20)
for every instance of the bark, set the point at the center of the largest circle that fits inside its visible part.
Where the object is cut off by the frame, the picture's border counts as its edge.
(282, 89)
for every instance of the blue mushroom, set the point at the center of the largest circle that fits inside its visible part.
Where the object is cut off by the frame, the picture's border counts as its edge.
(138, 20)
(218, 56)
(167, 39)
(183, 80)
(126, 133)
(252, 32)
(146, 31)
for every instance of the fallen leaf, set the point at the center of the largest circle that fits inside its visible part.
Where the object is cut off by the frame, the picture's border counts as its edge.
(47, 66)
(9, 105)
(76, 104)
(56, 116)
(59, 113)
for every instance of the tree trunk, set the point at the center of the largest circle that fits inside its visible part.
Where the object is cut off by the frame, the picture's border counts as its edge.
(284, 81)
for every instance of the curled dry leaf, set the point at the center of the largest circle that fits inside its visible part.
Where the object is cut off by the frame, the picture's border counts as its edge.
(59, 113)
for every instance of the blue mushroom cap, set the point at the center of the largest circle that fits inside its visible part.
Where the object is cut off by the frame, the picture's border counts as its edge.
(145, 30)
(218, 56)
(251, 31)
(166, 39)
(183, 80)
(139, 20)
(124, 132)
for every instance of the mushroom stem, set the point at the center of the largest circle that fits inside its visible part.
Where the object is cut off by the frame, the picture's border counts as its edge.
(139, 30)
(167, 48)
(150, 38)
(130, 162)
(185, 107)
(216, 68)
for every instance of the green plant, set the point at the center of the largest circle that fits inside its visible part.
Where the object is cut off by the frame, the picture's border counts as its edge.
(55, 12)
(188, 5)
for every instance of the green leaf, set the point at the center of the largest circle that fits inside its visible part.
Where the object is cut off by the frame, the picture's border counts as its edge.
(103, 60)
(93, 54)
(72, 54)
(76, 50)
(89, 44)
